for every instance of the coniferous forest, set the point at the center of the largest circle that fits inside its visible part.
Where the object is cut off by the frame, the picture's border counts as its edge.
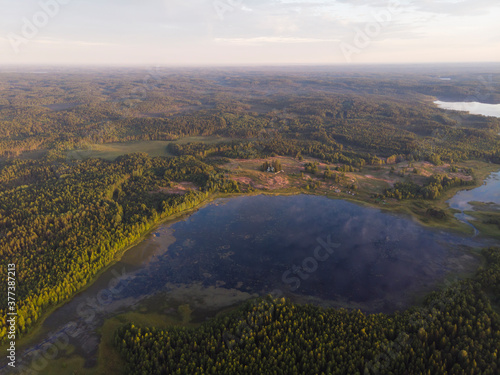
(67, 223)
(456, 331)
(67, 211)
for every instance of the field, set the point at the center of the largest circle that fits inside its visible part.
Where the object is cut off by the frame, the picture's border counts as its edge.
(369, 181)
(110, 151)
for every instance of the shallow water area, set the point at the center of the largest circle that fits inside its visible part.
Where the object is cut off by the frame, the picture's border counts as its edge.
(309, 248)
(489, 192)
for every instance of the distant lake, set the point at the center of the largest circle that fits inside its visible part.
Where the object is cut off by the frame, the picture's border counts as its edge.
(474, 108)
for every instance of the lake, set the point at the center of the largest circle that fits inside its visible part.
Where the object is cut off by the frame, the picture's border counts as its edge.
(309, 248)
(489, 192)
(258, 244)
(474, 108)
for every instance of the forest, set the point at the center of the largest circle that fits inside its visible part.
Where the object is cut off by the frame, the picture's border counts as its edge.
(66, 221)
(329, 115)
(432, 189)
(64, 218)
(456, 331)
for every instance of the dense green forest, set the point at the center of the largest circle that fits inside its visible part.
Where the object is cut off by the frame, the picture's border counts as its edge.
(63, 218)
(319, 113)
(432, 189)
(67, 223)
(456, 331)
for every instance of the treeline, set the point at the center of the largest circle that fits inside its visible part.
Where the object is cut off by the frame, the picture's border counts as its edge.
(331, 152)
(300, 112)
(432, 189)
(61, 222)
(456, 331)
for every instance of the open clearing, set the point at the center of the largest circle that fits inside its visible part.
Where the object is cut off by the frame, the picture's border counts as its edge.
(110, 151)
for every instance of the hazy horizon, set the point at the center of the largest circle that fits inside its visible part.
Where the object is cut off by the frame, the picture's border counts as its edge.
(448, 66)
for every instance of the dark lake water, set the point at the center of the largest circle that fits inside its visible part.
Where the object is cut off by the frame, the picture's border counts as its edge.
(261, 243)
(310, 248)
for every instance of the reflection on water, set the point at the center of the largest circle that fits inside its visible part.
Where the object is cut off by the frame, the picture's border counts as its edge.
(310, 248)
(474, 108)
(488, 192)
(250, 243)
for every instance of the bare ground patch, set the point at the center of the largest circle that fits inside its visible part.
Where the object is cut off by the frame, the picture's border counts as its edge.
(272, 182)
(391, 182)
(178, 188)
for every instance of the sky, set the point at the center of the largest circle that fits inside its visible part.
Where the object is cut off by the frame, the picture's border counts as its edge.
(248, 32)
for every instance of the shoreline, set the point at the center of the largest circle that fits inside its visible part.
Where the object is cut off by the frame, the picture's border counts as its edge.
(38, 326)
(398, 207)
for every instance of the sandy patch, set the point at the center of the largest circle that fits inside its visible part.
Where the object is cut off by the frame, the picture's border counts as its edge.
(461, 176)
(370, 177)
(278, 182)
(179, 188)
(243, 180)
(273, 182)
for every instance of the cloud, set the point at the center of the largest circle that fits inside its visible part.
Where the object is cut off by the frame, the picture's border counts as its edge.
(274, 29)
(457, 7)
(72, 43)
(271, 39)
